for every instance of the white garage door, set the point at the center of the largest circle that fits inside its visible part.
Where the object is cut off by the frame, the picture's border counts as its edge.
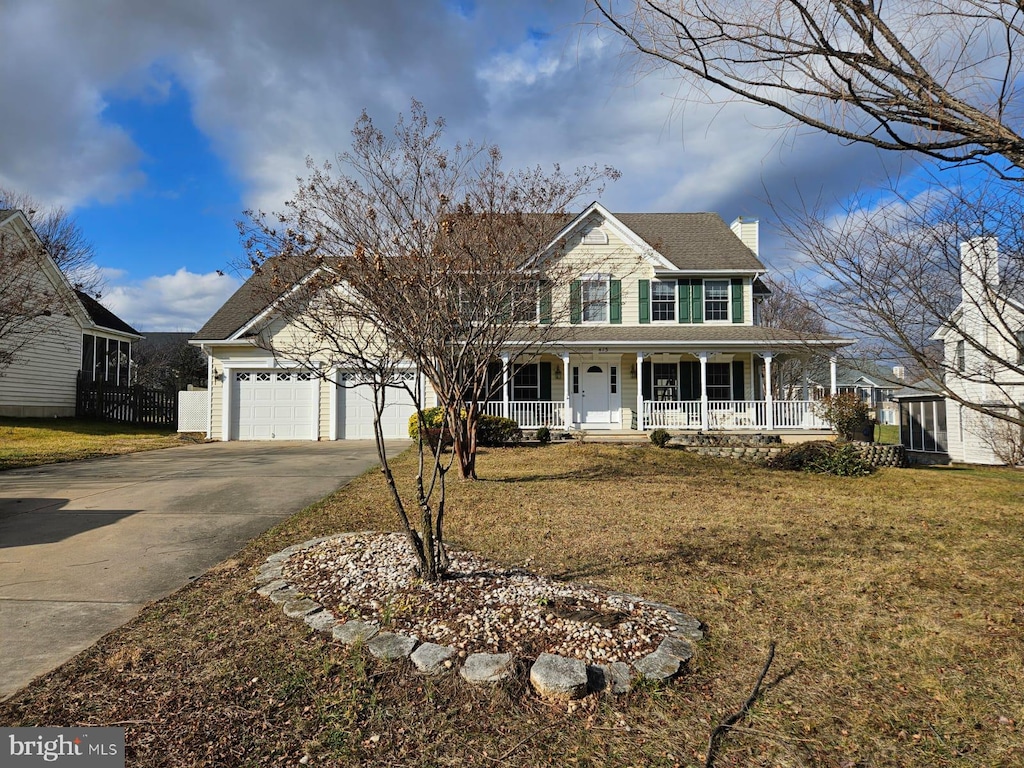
(355, 409)
(273, 405)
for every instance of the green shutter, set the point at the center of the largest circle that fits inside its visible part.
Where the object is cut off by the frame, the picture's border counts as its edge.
(545, 304)
(644, 290)
(615, 302)
(737, 302)
(737, 380)
(575, 302)
(684, 301)
(697, 300)
(648, 374)
(545, 381)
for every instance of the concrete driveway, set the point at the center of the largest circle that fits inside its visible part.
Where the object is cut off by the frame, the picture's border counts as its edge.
(85, 545)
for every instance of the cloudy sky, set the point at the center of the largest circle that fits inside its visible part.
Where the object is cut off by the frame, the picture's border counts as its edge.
(158, 123)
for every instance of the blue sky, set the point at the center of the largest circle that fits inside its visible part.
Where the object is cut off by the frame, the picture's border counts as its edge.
(158, 124)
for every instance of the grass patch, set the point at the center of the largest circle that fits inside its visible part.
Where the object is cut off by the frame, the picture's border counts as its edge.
(895, 602)
(887, 434)
(31, 442)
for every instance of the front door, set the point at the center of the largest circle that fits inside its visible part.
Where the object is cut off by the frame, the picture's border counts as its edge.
(596, 406)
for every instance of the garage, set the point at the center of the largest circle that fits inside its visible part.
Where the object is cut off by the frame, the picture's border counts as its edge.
(273, 405)
(355, 409)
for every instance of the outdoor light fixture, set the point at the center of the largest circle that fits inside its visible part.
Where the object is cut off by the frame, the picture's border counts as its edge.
(632, 371)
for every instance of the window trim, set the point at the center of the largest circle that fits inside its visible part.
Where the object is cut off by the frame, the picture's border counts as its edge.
(525, 387)
(727, 300)
(727, 386)
(960, 356)
(672, 300)
(590, 279)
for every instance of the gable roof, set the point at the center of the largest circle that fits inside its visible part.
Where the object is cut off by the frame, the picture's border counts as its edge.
(692, 241)
(102, 317)
(695, 242)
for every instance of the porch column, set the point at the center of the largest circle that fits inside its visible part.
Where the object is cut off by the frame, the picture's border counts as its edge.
(640, 426)
(703, 357)
(566, 392)
(804, 387)
(832, 375)
(769, 400)
(506, 377)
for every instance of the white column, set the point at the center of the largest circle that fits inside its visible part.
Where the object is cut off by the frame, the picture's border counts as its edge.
(566, 392)
(832, 375)
(506, 377)
(769, 400)
(703, 357)
(640, 391)
(804, 389)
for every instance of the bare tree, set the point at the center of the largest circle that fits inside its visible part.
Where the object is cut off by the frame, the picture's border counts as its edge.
(62, 238)
(939, 77)
(786, 307)
(423, 254)
(932, 282)
(29, 302)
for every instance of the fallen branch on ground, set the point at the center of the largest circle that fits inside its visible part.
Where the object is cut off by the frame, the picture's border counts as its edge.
(726, 725)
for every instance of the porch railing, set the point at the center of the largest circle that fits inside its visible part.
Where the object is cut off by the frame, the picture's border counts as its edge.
(530, 414)
(732, 414)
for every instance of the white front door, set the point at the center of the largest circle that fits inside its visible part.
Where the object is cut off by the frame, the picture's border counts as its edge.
(595, 404)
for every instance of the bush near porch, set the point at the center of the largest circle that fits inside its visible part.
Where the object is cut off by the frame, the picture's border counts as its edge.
(895, 601)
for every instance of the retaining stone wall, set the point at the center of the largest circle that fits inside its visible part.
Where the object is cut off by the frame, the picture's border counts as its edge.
(875, 454)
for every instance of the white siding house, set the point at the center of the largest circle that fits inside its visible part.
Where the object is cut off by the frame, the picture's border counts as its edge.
(983, 349)
(51, 348)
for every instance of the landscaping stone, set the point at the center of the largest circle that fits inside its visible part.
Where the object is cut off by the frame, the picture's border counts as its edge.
(284, 595)
(658, 666)
(487, 667)
(677, 648)
(321, 621)
(355, 631)
(300, 607)
(433, 659)
(272, 586)
(389, 645)
(556, 677)
(269, 573)
(611, 678)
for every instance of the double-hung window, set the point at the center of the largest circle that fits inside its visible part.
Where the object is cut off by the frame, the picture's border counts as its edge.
(663, 300)
(526, 382)
(666, 381)
(716, 300)
(961, 356)
(524, 302)
(594, 298)
(719, 381)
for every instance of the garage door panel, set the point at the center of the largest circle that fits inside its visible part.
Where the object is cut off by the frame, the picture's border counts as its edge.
(273, 405)
(356, 410)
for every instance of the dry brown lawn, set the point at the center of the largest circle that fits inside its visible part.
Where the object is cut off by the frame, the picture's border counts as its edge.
(896, 602)
(31, 442)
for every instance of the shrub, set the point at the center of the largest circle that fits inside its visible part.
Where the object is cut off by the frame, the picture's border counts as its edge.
(543, 435)
(433, 418)
(497, 430)
(843, 460)
(823, 458)
(847, 413)
(660, 437)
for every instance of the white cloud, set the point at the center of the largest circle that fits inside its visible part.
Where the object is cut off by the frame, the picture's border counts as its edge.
(182, 301)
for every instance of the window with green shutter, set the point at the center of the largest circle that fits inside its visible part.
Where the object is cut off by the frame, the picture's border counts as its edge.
(575, 302)
(737, 301)
(615, 302)
(644, 292)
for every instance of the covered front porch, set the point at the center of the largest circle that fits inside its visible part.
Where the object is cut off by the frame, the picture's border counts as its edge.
(598, 390)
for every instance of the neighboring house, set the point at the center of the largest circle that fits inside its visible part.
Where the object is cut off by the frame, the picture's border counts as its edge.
(78, 334)
(873, 384)
(983, 353)
(661, 333)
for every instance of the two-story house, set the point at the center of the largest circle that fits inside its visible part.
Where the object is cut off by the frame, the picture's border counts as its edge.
(659, 331)
(983, 360)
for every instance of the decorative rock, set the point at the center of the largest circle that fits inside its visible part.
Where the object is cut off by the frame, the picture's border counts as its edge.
(430, 658)
(676, 647)
(269, 573)
(321, 621)
(658, 666)
(301, 607)
(272, 586)
(388, 645)
(487, 667)
(614, 678)
(284, 595)
(556, 677)
(355, 631)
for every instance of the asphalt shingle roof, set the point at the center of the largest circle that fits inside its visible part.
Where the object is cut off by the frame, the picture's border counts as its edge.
(102, 316)
(692, 241)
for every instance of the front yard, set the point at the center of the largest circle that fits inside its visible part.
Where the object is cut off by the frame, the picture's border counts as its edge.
(895, 602)
(31, 442)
